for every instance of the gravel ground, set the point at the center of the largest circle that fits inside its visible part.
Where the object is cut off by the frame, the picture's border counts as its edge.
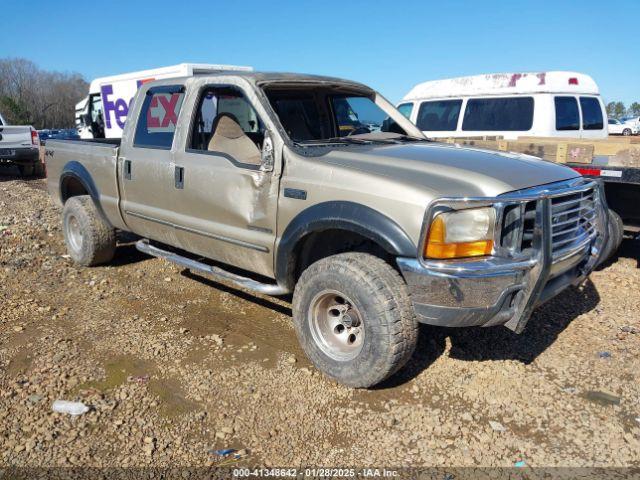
(174, 365)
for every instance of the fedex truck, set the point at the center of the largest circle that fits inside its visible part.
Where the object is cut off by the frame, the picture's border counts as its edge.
(103, 112)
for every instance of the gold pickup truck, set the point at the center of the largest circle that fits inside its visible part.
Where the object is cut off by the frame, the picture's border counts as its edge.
(318, 187)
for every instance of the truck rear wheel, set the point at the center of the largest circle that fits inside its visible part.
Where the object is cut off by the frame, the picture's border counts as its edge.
(354, 318)
(90, 240)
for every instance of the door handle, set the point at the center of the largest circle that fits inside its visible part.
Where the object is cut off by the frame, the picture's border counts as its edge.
(127, 169)
(179, 177)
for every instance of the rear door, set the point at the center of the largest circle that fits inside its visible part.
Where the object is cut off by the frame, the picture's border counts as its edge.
(145, 165)
(593, 114)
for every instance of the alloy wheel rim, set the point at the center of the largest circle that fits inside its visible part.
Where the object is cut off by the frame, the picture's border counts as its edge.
(74, 233)
(336, 325)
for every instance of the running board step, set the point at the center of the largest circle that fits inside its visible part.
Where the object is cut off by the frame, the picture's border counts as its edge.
(267, 288)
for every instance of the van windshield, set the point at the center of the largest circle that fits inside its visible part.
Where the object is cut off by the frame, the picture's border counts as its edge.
(313, 114)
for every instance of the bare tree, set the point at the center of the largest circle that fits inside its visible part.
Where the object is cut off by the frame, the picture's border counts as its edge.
(44, 99)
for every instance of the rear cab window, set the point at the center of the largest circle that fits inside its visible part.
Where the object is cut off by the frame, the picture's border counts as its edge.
(591, 113)
(567, 113)
(439, 115)
(158, 117)
(509, 114)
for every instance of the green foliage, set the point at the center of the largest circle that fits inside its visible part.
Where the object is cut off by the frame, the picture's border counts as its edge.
(41, 98)
(13, 112)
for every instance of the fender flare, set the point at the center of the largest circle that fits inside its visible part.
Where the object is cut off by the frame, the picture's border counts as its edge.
(341, 215)
(78, 172)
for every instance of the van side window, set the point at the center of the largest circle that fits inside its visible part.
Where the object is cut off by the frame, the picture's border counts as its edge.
(406, 109)
(439, 116)
(226, 123)
(591, 114)
(158, 117)
(513, 114)
(567, 114)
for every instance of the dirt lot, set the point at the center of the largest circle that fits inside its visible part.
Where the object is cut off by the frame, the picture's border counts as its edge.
(175, 365)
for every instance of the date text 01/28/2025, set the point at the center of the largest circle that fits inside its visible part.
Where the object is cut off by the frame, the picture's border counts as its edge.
(315, 472)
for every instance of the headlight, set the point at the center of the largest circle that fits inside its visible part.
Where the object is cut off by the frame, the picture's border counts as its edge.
(463, 233)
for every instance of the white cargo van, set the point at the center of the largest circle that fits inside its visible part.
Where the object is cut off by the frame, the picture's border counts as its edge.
(103, 112)
(511, 105)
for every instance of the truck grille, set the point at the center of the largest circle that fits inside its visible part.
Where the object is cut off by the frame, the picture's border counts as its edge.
(573, 219)
(573, 223)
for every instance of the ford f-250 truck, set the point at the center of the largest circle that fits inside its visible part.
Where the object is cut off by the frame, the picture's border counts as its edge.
(19, 145)
(276, 183)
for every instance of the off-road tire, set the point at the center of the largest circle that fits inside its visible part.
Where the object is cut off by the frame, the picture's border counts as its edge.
(616, 234)
(39, 170)
(97, 242)
(26, 170)
(388, 319)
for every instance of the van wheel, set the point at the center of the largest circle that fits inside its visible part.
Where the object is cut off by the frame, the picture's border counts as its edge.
(354, 318)
(90, 240)
(626, 132)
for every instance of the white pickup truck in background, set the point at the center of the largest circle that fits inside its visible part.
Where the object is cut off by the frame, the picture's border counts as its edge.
(20, 146)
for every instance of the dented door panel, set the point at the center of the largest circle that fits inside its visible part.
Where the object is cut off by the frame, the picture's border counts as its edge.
(226, 210)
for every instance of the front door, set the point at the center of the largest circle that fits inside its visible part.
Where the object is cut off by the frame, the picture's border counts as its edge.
(145, 169)
(227, 201)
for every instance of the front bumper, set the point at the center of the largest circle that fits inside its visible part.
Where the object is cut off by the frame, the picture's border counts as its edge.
(504, 290)
(20, 155)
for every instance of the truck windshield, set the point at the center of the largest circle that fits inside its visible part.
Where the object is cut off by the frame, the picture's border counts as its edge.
(312, 115)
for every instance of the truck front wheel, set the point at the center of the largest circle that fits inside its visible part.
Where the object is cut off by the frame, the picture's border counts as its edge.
(90, 240)
(354, 318)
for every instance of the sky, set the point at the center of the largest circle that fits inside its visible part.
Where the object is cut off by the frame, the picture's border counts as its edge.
(390, 46)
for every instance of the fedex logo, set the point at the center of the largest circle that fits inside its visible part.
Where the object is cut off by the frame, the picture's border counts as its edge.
(162, 114)
(117, 108)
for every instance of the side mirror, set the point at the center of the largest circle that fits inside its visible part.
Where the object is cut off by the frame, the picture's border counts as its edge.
(267, 157)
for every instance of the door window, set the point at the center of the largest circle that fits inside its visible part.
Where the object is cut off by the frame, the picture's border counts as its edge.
(159, 117)
(591, 114)
(439, 116)
(567, 114)
(226, 123)
(498, 114)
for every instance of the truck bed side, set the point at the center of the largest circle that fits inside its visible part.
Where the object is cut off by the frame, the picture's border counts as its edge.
(85, 167)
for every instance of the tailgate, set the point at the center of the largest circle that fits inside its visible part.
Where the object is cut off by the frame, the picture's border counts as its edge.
(15, 137)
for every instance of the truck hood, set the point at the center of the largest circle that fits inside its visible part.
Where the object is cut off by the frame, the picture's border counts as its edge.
(451, 170)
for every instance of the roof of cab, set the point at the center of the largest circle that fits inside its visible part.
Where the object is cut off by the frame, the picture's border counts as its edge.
(505, 83)
(271, 78)
(285, 77)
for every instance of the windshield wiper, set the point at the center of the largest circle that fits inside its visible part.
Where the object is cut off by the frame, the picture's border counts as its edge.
(414, 139)
(332, 141)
